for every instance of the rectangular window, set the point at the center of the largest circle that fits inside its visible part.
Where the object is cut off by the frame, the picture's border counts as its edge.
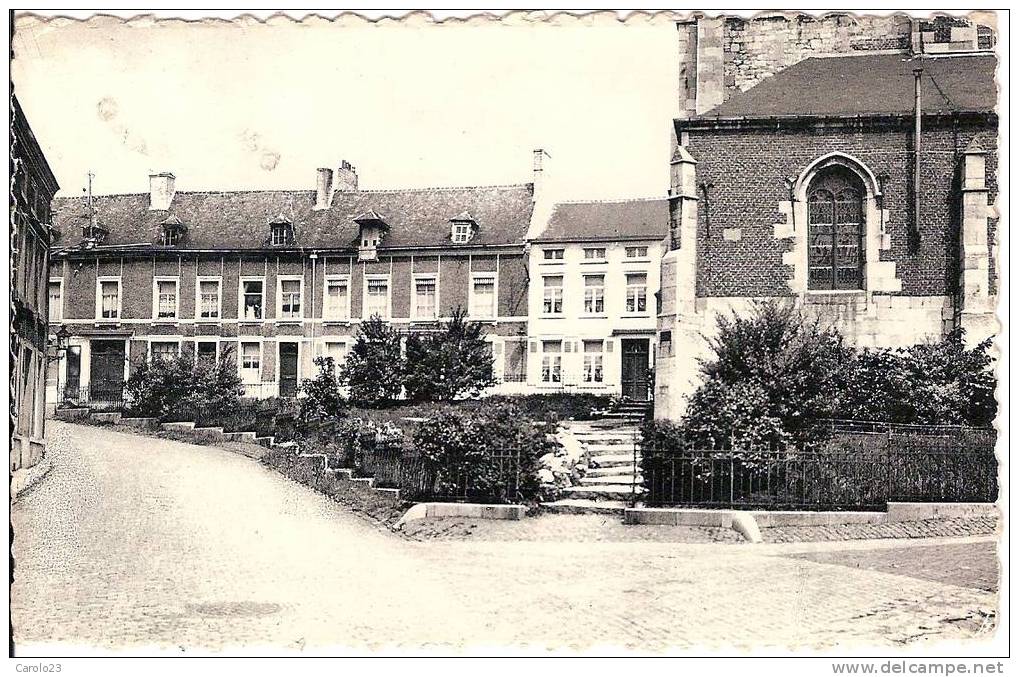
(553, 299)
(461, 231)
(253, 297)
(593, 361)
(280, 231)
(56, 294)
(636, 293)
(594, 294)
(163, 350)
(337, 299)
(109, 299)
(208, 299)
(166, 299)
(483, 297)
(551, 361)
(207, 352)
(336, 350)
(553, 254)
(636, 252)
(594, 253)
(424, 298)
(251, 362)
(377, 297)
(290, 299)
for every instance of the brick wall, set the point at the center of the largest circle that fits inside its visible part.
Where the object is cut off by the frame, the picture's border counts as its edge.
(137, 274)
(747, 169)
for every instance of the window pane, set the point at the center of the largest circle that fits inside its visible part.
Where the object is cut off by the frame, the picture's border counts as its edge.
(55, 289)
(424, 298)
(484, 298)
(253, 300)
(336, 299)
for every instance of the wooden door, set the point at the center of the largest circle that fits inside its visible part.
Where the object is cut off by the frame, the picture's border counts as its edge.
(106, 382)
(288, 369)
(634, 369)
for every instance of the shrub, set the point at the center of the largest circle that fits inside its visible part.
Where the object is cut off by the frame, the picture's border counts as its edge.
(934, 383)
(373, 372)
(322, 398)
(161, 387)
(452, 363)
(773, 373)
(483, 454)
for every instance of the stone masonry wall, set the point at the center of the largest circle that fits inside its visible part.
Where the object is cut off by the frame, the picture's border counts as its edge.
(738, 252)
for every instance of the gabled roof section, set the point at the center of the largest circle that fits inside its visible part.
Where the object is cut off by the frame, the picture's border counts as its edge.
(237, 220)
(604, 221)
(868, 84)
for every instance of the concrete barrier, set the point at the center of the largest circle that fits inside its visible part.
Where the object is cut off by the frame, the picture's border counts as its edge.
(180, 426)
(71, 414)
(422, 511)
(105, 416)
(141, 423)
(914, 512)
(678, 517)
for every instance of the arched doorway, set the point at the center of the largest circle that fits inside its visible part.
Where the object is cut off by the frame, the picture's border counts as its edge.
(835, 230)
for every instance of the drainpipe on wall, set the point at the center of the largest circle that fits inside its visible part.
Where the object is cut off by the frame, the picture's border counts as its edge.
(917, 115)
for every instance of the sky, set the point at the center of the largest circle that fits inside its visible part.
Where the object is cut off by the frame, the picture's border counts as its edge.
(249, 105)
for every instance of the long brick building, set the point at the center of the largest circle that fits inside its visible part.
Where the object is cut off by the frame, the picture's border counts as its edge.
(280, 277)
(854, 172)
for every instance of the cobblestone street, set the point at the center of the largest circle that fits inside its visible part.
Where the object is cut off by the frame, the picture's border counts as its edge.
(133, 541)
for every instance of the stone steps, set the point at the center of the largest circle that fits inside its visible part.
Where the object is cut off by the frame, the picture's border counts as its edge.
(609, 470)
(613, 492)
(585, 506)
(598, 480)
(612, 460)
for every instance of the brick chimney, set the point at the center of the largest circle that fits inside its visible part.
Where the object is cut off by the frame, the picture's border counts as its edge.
(324, 188)
(346, 177)
(540, 173)
(161, 190)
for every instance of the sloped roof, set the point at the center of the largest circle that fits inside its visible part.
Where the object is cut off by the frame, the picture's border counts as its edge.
(646, 219)
(240, 220)
(868, 84)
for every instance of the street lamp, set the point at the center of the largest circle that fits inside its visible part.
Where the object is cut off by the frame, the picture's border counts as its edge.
(63, 341)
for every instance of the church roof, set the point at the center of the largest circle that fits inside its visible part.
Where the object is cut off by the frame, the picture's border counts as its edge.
(239, 220)
(868, 84)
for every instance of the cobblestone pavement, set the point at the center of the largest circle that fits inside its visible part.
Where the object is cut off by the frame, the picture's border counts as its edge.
(935, 528)
(132, 542)
(564, 528)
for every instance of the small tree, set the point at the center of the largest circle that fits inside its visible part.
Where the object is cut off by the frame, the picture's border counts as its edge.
(773, 373)
(373, 372)
(322, 393)
(450, 364)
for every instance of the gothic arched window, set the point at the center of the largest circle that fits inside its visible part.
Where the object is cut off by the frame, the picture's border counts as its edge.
(835, 229)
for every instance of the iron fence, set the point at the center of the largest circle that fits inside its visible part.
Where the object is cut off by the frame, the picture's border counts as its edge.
(96, 398)
(498, 479)
(851, 426)
(823, 478)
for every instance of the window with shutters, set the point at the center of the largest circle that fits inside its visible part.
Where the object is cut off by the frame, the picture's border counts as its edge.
(835, 231)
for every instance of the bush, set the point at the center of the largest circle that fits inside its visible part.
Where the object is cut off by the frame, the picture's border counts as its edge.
(772, 375)
(373, 372)
(161, 387)
(322, 398)
(934, 383)
(452, 363)
(489, 454)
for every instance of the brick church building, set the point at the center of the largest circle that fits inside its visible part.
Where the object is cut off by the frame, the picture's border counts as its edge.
(847, 164)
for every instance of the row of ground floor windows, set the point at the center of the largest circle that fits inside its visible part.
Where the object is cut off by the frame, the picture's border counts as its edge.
(558, 363)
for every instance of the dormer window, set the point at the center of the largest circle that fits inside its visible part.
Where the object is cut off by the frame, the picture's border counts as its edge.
(462, 227)
(173, 232)
(372, 228)
(281, 232)
(94, 233)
